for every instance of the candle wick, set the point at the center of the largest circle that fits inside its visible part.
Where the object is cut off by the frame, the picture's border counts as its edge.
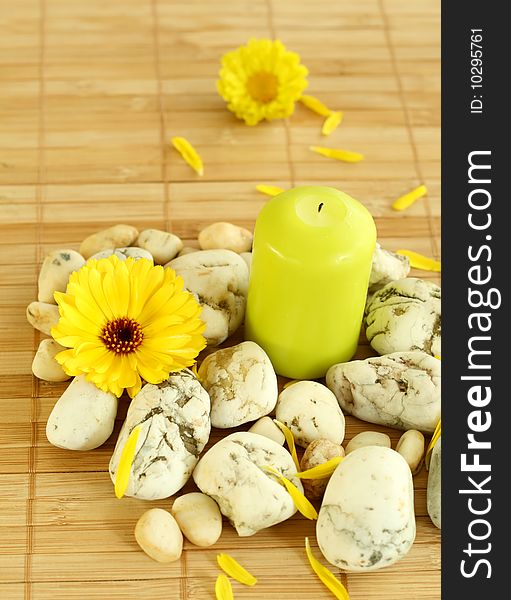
(320, 207)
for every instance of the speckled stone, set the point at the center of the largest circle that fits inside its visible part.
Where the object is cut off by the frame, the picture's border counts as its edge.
(405, 315)
(232, 473)
(43, 316)
(311, 412)
(241, 383)
(55, 272)
(124, 253)
(317, 453)
(400, 390)
(162, 245)
(175, 426)
(387, 266)
(367, 519)
(219, 281)
(434, 489)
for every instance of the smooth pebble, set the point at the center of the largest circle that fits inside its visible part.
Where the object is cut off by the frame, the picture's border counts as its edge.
(159, 536)
(226, 236)
(43, 316)
(199, 518)
(266, 426)
(44, 365)
(434, 489)
(368, 438)
(411, 448)
(117, 236)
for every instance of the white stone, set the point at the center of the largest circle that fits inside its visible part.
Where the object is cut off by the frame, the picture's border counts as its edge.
(265, 426)
(368, 438)
(162, 245)
(159, 536)
(44, 365)
(411, 447)
(241, 383)
(43, 316)
(175, 426)
(83, 417)
(434, 489)
(226, 236)
(219, 281)
(55, 271)
(367, 519)
(117, 236)
(317, 453)
(232, 473)
(312, 412)
(400, 390)
(405, 315)
(199, 518)
(247, 257)
(387, 266)
(124, 253)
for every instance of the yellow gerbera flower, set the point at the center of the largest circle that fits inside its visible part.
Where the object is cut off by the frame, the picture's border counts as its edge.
(127, 320)
(261, 80)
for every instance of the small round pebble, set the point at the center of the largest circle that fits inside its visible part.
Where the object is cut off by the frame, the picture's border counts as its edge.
(187, 250)
(265, 426)
(44, 365)
(117, 236)
(226, 236)
(368, 438)
(162, 245)
(199, 518)
(159, 536)
(317, 453)
(43, 316)
(411, 448)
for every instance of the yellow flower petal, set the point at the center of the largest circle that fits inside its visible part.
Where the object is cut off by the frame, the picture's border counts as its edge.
(290, 441)
(269, 190)
(124, 320)
(325, 575)
(312, 103)
(233, 568)
(321, 471)
(300, 501)
(189, 154)
(332, 122)
(223, 588)
(436, 435)
(418, 261)
(122, 476)
(338, 154)
(408, 199)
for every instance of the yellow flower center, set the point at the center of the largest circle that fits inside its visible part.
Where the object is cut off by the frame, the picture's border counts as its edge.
(122, 335)
(263, 86)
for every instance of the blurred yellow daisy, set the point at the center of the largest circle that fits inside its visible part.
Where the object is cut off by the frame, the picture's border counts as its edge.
(124, 321)
(261, 80)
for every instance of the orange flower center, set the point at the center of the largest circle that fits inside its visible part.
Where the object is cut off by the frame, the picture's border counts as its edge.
(263, 86)
(122, 336)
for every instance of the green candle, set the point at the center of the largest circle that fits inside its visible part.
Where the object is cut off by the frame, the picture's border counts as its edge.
(312, 256)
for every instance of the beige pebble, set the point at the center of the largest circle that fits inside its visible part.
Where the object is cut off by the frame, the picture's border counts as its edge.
(411, 448)
(163, 246)
(124, 253)
(113, 237)
(55, 271)
(159, 536)
(317, 453)
(199, 518)
(187, 250)
(225, 236)
(44, 365)
(265, 426)
(368, 438)
(43, 316)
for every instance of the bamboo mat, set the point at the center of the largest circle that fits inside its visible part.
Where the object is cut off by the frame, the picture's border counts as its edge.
(91, 92)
